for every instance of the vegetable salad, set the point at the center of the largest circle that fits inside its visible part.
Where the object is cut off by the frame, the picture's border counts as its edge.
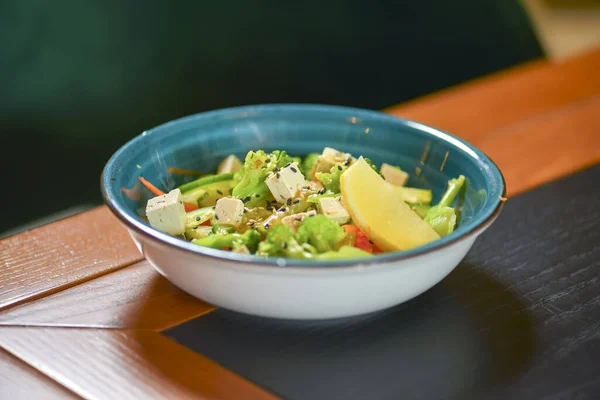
(273, 204)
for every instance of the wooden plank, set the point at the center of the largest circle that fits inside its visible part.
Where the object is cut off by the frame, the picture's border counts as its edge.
(113, 364)
(547, 146)
(63, 254)
(484, 105)
(20, 381)
(136, 297)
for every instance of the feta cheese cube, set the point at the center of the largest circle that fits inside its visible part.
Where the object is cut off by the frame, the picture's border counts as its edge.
(393, 175)
(294, 220)
(331, 157)
(333, 208)
(286, 183)
(166, 213)
(229, 211)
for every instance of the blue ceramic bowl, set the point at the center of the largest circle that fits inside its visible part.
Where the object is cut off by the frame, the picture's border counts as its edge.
(199, 142)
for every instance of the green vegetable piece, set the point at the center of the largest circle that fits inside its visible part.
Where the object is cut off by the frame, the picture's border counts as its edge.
(420, 209)
(331, 180)
(223, 230)
(215, 191)
(280, 242)
(205, 180)
(308, 163)
(454, 186)
(441, 217)
(251, 188)
(314, 198)
(198, 232)
(442, 220)
(192, 196)
(368, 160)
(250, 239)
(321, 233)
(414, 195)
(198, 217)
(344, 252)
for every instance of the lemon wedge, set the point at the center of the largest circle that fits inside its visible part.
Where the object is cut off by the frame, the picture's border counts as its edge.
(378, 211)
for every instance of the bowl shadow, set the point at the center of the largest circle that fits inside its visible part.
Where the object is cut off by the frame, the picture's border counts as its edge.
(464, 338)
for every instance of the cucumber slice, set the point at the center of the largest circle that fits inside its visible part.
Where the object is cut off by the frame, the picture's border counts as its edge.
(205, 180)
(198, 233)
(215, 191)
(414, 195)
(197, 217)
(193, 195)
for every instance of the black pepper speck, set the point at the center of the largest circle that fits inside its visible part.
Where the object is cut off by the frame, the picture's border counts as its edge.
(294, 169)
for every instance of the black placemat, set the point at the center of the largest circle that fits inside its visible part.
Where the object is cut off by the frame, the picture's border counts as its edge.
(519, 318)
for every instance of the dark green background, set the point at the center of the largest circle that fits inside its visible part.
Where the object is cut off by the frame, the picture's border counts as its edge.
(79, 78)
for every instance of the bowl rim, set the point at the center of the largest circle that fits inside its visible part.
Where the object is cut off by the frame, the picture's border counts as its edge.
(473, 227)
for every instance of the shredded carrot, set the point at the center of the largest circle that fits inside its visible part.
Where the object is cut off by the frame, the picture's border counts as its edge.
(362, 242)
(151, 187)
(351, 228)
(187, 206)
(180, 171)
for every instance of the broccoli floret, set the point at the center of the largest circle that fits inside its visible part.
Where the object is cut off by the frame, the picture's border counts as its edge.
(441, 217)
(308, 163)
(368, 160)
(223, 230)
(220, 240)
(252, 189)
(320, 232)
(331, 180)
(343, 253)
(280, 242)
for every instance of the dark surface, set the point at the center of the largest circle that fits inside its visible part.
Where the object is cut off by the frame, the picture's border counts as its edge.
(518, 319)
(80, 78)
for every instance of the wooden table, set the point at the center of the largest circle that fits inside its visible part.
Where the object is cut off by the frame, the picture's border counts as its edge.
(81, 311)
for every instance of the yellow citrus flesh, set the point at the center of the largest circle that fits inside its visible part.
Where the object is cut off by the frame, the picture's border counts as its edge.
(378, 211)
